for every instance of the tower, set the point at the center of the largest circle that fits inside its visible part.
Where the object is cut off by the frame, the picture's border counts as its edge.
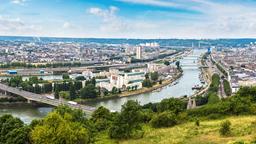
(138, 52)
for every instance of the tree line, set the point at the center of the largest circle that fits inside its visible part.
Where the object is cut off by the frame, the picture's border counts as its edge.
(65, 125)
(47, 65)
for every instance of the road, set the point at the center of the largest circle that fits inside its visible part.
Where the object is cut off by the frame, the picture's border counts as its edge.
(213, 68)
(43, 99)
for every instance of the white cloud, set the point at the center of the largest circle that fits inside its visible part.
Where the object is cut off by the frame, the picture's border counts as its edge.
(105, 14)
(66, 25)
(213, 20)
(110, 21)
(152, 2)
(20, 2)
(15, 26)
(216, 20)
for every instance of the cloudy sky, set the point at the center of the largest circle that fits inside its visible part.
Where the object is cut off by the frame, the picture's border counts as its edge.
(129, 18)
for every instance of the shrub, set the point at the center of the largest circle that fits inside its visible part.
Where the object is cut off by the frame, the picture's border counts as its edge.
(197, 122)
(127, 124)
(171, 104)
(213, 98)
(227, 87)
(225, 128)
(164, 119)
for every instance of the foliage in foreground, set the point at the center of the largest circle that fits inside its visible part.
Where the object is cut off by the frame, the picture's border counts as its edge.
(225, 128)
(65, 125)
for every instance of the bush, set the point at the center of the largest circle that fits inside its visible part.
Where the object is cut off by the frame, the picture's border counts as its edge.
(171, 104)
(227, 87)
(197, 122)
(225, 128)
(214, 116)
(213, 98)
(164, 119)
(127, 124)
(65, 76)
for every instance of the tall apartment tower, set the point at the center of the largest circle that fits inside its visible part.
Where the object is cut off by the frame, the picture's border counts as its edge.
(138, 52)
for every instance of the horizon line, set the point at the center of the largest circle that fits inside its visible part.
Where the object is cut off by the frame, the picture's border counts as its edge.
(68, 37)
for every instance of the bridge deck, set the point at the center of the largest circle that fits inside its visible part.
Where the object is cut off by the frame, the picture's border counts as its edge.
(43, 99)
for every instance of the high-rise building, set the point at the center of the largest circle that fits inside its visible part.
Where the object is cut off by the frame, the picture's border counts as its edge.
(138, 52)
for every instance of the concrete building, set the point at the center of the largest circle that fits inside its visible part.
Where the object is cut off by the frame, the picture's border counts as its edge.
(122, 80)
(139, 52)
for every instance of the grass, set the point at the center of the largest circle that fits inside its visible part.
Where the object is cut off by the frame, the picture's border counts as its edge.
(243, 128)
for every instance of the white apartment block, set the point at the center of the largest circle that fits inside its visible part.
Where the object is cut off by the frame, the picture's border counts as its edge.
(122, 80)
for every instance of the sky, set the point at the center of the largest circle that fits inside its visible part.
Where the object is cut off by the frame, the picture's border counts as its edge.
(129, 18)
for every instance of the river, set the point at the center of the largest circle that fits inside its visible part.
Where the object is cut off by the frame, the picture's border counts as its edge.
(183, 87)
(25, 112)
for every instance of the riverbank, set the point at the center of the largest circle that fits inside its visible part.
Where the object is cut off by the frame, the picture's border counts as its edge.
(207, 78)
(154, 87)
(132, 93)
(20, 104)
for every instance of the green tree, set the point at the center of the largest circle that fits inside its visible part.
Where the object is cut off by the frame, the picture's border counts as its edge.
(166, 63)
(37, 89)
(171, 104)
(227, 87)
(15, 81)
(164, 119)
(89, 91)
(101, 118)
(80, 78)
(154, 76)
(12, 130)
(65, 76)
(160, 81)
(57, 129)
(114, 90)
(177, 64)
(146, 76)
(147, 83)
(78, 85)
(77, 115)
(34, 80)
(72, 91)
(48, 87)
(213, 98)
(127, 123)
(57, 93)
(92, 81)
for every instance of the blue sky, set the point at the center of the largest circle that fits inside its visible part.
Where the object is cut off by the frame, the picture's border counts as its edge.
(129, 18)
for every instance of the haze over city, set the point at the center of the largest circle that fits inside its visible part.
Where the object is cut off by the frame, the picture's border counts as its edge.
(129, 18)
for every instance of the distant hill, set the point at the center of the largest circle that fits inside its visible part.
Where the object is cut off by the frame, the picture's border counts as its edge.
(162, 42)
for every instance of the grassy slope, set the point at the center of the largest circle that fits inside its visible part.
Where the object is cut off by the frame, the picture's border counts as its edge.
(242, 128)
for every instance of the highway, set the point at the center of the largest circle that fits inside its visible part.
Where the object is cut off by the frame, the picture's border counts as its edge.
(43, 99)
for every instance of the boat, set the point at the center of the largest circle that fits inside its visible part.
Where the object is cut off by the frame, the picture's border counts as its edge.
(175, 83)
(197, 87)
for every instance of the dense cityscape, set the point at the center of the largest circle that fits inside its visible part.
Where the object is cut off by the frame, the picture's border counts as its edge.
(127, 72)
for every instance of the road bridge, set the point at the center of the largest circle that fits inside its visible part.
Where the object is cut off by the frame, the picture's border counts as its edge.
(43, 99)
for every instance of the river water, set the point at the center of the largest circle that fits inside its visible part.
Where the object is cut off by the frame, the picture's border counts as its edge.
(183, 87)
(24, 111)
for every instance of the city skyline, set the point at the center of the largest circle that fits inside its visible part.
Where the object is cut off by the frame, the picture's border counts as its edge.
(128, 18)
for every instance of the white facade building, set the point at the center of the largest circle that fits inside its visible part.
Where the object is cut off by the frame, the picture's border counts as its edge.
(122, 80)
(139, 52)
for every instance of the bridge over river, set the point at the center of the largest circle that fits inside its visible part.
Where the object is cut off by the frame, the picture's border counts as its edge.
(43, 99)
